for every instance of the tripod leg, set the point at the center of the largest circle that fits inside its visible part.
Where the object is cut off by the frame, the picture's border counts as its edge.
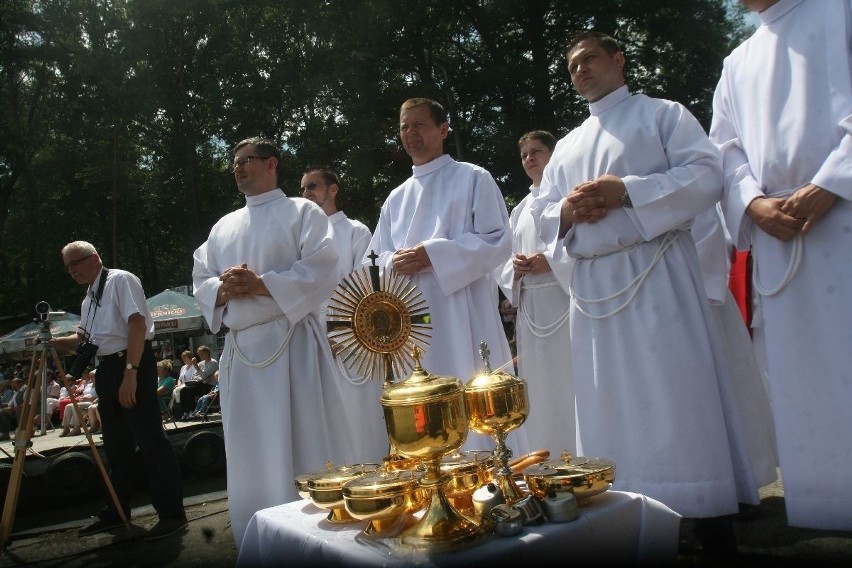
(95, 454)
(23, 435)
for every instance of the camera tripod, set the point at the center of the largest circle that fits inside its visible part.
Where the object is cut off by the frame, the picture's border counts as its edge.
(24, 432)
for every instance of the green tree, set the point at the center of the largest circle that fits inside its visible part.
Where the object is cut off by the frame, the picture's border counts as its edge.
(118, 116)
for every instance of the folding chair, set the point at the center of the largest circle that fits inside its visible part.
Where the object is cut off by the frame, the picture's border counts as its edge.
(166, 411)
(210, 406)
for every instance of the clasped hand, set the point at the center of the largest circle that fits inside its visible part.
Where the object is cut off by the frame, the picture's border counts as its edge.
(239, 282)
(530, 264)
(411, 260)
(785, 218)
(589, 201)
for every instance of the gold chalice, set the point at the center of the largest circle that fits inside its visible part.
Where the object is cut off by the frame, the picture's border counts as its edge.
(497, 403)
(425, 419)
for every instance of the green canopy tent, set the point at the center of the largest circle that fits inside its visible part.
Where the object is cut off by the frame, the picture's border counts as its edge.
(175, 314)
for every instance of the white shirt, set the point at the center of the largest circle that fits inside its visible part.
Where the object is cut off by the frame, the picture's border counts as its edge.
(122, 297)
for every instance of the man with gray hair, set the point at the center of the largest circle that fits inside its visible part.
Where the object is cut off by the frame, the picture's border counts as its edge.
(116, 322)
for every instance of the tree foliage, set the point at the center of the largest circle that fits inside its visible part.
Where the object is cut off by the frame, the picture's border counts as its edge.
(118, 115)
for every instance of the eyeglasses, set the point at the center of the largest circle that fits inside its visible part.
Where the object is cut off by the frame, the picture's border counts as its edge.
(245, 160)
(74, 263)
(309, 186)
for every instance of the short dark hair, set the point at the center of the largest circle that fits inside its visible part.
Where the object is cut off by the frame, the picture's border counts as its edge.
(268, 148)
(265, 145)
(203, 349)
(542, 136)
(439, 115)
(329, 174)
(606, 41)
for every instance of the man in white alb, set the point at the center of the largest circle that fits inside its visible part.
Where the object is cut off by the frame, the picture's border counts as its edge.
(264, 272)
(645, 350)
(538, 286)
(447, 227)
(363, 411)
(782, 118)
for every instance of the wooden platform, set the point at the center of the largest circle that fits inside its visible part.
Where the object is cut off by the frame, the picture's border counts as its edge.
(50, 443)
(64, 466)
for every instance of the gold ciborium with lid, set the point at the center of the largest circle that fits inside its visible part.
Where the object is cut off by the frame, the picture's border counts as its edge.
(497, 403)
(426, 419)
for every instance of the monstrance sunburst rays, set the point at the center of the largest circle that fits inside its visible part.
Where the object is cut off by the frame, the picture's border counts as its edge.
(376, 321)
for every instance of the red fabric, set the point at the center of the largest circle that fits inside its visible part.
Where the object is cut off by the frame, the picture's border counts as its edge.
(739, 283)
(63, 402)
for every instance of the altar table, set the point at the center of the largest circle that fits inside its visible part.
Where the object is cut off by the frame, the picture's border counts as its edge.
(616, 527)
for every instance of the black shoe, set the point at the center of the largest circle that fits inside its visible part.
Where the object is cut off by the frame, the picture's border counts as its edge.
(166, 527)
(716, 535)
(97, 526)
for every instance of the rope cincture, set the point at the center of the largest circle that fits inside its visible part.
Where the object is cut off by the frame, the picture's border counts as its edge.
(633, 285)
(357, 381)
(272, 358)
(541, 331)
(792, 268)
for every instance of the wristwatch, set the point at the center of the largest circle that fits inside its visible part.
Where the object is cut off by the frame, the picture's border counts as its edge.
(131, 366)
(625, 199)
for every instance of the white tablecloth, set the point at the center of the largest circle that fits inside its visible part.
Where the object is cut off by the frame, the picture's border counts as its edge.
(617, 527)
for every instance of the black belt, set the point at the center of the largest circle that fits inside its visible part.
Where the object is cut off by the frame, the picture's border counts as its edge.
(121, 354)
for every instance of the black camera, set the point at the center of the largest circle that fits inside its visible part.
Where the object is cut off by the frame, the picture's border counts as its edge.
(85, 351)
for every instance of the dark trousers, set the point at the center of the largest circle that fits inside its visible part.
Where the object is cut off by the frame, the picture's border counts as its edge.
(190, 392)
(125, 429)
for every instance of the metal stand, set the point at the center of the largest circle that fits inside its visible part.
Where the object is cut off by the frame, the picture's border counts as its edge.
(24, 433)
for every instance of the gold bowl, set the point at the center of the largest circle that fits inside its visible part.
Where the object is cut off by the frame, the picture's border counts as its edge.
(385, 497)
(584, 477)
(302, 480)
(326, 491)
(398, 462)
(468, 471)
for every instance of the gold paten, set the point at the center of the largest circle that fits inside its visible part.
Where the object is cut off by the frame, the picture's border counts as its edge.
(584, 477)
(387, 499)
(326, 490)
(425, 419)
(496, 404)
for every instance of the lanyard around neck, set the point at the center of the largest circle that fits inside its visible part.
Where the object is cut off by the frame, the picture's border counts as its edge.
(96, 301)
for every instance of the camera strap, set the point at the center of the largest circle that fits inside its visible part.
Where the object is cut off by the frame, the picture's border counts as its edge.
(96, 301)
(100, 293)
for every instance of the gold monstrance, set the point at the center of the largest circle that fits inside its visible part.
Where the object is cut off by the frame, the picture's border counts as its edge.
(375, 321)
